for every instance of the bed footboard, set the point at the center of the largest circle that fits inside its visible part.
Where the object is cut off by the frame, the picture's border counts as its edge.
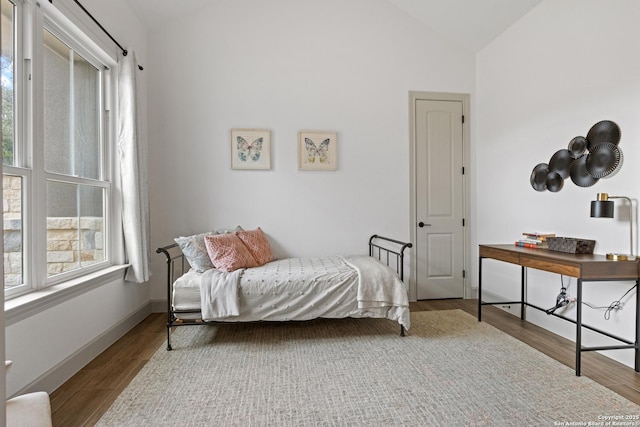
(391, 250)
(389, 254)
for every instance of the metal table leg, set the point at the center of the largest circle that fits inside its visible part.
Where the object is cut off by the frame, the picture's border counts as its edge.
(579, 328)
(523, 278)
(479, 289)
(637, 343)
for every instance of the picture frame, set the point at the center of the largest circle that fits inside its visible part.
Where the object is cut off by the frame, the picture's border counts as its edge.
(317, 151)
(250, 149)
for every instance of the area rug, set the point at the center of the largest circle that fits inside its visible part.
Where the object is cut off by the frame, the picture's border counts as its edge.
(450, 370)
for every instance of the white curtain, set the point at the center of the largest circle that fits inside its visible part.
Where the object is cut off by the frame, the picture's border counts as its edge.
(133, 174)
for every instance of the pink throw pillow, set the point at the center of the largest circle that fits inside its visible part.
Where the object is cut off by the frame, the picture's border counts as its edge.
(258, 245)
(228, 253)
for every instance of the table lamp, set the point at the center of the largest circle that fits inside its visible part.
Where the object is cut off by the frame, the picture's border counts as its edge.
(602, 207)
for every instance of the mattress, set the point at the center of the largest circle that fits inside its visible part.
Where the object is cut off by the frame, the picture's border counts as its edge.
(291, 289)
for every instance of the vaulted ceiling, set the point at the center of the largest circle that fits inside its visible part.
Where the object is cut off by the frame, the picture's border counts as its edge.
(470, 23)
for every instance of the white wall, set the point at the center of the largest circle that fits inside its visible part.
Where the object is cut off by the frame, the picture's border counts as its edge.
(59, 339)
(563, 67)
(289, 65)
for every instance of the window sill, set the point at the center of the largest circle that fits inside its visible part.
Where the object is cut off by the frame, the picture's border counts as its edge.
(27, 305)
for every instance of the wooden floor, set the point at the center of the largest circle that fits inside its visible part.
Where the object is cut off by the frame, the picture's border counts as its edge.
(83, 399)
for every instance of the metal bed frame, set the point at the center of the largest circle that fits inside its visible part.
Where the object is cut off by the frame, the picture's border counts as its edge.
(177, 265)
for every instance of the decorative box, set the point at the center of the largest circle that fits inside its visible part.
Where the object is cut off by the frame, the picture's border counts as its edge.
(571, 245)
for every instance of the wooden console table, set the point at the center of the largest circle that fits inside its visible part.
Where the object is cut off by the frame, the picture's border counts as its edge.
(591, 268)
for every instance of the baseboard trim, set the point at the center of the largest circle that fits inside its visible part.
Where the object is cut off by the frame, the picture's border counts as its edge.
(158, 305)
(59, 374)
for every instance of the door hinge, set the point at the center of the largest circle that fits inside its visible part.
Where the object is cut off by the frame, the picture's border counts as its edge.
(464, 273)
(463, 222)
(463, 118)
(463, 170)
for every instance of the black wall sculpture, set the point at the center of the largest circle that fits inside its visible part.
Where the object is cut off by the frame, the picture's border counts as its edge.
(585, 161)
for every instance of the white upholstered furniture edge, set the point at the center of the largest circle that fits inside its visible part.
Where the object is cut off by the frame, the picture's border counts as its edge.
(28, 410)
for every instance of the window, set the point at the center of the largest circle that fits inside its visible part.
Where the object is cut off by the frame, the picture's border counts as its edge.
(13, 178)
(72, 159)
(55, 144)
(7, 62)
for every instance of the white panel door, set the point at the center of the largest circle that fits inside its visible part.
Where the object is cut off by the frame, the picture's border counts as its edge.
(439, 199)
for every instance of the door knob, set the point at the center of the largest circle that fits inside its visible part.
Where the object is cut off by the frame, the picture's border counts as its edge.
(422, 224)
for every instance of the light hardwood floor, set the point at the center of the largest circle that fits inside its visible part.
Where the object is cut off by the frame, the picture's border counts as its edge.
(83, 399)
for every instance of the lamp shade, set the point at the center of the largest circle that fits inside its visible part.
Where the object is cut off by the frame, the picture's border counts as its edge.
(602, 209)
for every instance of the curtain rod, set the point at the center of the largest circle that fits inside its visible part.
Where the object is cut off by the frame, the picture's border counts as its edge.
(124, 51)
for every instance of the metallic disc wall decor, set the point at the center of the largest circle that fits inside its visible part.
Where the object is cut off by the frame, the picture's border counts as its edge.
(579, 174)
(603, 131)
(577, 146)
(604, 160)
(586, 160)
(539, 177)
(554, 182)
(560, 163)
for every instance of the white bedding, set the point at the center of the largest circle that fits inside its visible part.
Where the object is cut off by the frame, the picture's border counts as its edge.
(307, 288)
(219, 294)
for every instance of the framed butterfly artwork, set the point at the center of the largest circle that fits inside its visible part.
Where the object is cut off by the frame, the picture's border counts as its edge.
(317, 151)
(250, 149)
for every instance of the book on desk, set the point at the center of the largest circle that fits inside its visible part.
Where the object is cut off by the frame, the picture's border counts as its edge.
(534, 240)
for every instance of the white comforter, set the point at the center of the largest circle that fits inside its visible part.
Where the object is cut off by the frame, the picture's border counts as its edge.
(304, 289)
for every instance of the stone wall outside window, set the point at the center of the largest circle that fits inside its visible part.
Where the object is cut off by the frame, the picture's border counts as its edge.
(64, 238)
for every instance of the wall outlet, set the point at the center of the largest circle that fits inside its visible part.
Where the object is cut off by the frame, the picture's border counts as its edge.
(509, 308)
(513, 309)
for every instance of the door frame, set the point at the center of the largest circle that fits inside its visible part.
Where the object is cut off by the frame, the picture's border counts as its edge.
(415, 96)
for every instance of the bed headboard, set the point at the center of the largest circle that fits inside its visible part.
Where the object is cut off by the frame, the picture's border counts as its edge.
(392, 250)
(177, 265)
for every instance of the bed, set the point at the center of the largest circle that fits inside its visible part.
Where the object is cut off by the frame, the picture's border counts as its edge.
(289, 289)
